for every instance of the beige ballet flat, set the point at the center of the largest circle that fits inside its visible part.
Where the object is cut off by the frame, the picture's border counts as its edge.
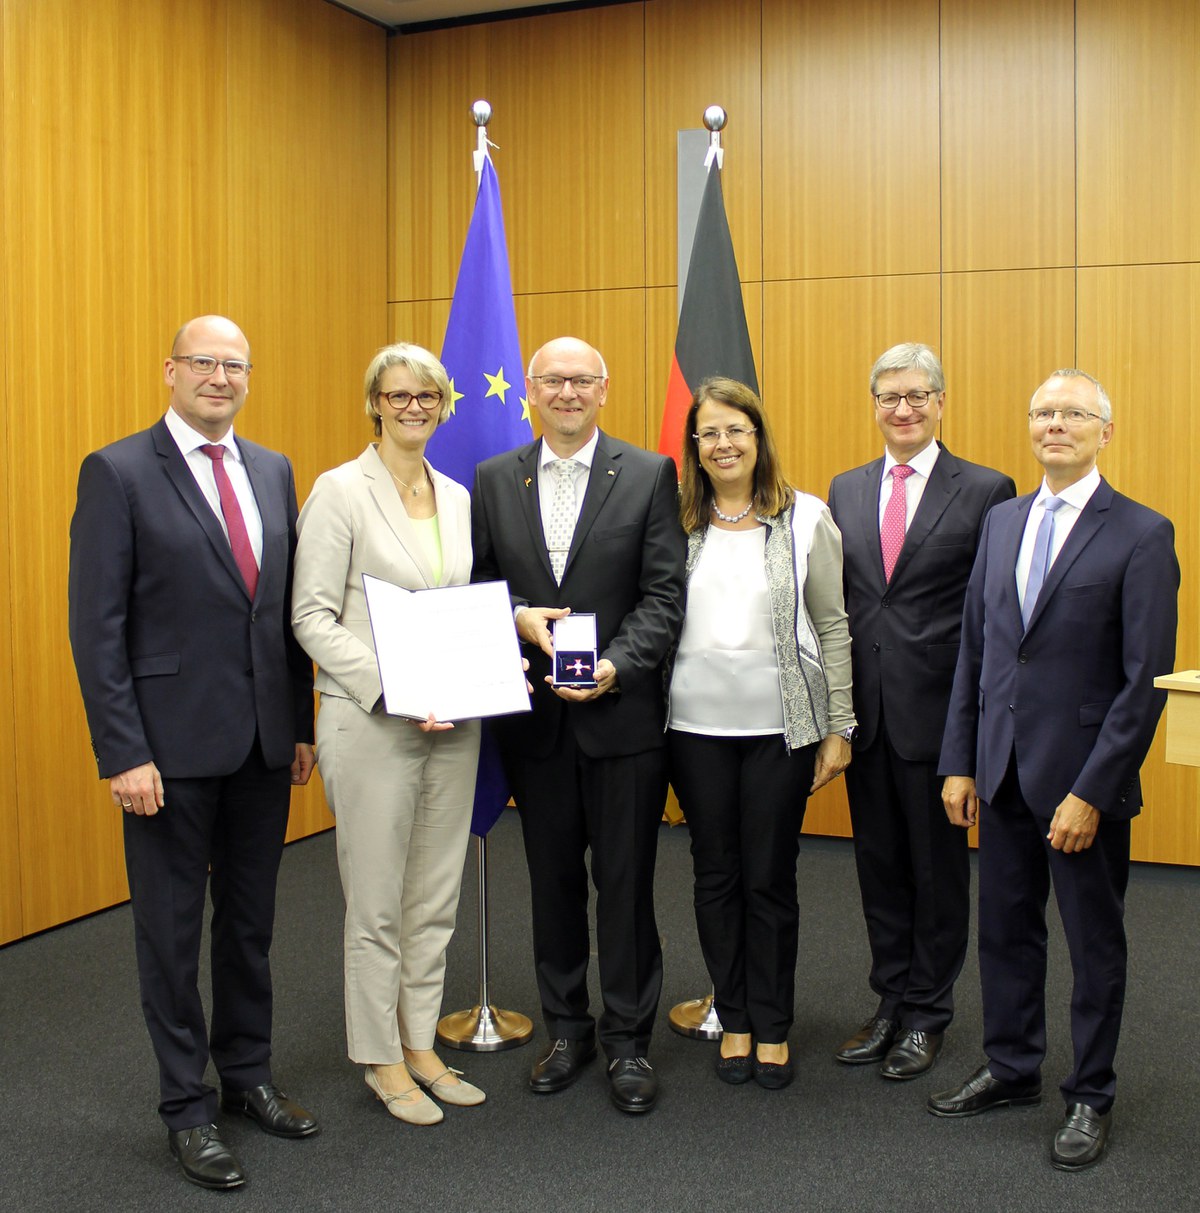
(401, 1105)
(461, 1094)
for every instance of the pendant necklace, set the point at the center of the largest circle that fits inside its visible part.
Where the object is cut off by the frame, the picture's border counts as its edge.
(412, 488)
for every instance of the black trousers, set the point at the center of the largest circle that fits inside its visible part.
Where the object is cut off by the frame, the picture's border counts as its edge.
(569, 803)
(744, 800)
(1016, 864)
(914, 876)
(235, 826)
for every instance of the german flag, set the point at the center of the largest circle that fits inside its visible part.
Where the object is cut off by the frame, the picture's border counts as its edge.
(713, 338)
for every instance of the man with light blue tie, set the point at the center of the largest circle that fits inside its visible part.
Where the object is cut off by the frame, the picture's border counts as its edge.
(1070, 615)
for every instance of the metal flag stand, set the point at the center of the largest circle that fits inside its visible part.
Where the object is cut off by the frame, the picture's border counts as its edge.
(697, 1017)
(484, 1028)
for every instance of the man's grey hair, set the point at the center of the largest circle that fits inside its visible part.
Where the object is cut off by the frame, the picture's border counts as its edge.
(909, 356)
(1070, 372)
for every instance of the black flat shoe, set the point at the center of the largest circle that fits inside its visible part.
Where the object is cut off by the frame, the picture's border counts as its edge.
(734, 1070)
(271, 1110)
(1081, 1140)
(772, 1075)
(204, 1158)
(561, 1066)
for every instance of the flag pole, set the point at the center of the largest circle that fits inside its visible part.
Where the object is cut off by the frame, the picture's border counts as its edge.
(697, 1017)
(484, 1028)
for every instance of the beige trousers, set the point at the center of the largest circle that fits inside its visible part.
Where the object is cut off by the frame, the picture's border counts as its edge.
(402, 799)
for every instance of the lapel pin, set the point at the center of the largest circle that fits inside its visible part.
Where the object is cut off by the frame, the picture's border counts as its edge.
(528, 481)
(611, 472)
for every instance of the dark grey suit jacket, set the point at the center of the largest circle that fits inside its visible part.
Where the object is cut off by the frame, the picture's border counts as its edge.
(1073, 694)
(905, 633)
(176, 664)
(625, 566)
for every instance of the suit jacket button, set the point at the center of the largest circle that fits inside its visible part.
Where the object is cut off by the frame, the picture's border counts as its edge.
(885, 603)
(874, 648)
(1023, 658)
(1011, 708)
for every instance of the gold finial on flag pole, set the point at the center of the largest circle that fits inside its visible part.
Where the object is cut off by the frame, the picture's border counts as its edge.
(715, 119)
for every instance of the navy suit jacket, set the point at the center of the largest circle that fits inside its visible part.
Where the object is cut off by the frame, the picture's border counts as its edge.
(625, 566)
(905, 633)
(176, 664)
(1072, 696)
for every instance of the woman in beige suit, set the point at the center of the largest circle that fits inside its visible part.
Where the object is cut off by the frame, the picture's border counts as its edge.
(401, 790)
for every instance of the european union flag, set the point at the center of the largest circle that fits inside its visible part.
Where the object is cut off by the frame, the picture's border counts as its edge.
(489, 412)
(481, 354)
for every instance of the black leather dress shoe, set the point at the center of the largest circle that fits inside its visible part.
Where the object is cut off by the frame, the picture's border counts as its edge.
(206, 1160)
(982, 1092)
(870, 1043)
(560, 1067)
(1081, 1140)
(271, 1110)
(912, 1053)
(632, 1084)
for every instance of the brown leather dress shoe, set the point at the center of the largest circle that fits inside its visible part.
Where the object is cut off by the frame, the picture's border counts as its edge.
(1081, 1140)
(869, 1044)
(205, 1159)
(913, 1053)
(981, 1092)
(271, 1110)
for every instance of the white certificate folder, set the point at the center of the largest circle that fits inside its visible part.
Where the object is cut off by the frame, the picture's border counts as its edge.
(452, 651)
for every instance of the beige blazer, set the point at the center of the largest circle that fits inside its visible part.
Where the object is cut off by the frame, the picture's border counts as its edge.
(354, 523)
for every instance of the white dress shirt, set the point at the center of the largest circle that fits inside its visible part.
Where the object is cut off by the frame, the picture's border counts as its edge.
(1074, 497)
(914, 486)
(200, 465)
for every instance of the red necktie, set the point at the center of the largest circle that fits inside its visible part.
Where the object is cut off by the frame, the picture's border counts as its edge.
(235, 524)
(895, 519)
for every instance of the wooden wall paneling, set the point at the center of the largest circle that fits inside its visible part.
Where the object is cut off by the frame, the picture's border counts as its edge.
(726, 40)
(614, 322)
(1139, 131)
(424, 322)
(820, 339)
(1008, 130)
(432, 81)
(1139, 333)
(115, 178)
(570, 88)
(308, 235)
(10, 857)
(850, 150)
(1003, 333)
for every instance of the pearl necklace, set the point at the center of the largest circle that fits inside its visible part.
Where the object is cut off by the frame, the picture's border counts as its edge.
(734, 517)
(413, 488)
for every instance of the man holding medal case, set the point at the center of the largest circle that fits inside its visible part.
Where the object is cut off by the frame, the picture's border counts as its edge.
(578, 520)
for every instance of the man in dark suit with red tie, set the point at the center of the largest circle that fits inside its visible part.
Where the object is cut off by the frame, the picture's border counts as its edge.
(581, 521)
(199, 703)
(910, 525)
(1070, 615)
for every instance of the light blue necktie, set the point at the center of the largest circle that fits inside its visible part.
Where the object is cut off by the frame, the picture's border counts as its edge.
(1039, 566)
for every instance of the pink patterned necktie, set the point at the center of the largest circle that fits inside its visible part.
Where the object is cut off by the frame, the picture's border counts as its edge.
(235, 524)
(895, 517)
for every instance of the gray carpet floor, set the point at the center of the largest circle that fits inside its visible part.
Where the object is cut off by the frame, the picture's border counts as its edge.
(78, 1130)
